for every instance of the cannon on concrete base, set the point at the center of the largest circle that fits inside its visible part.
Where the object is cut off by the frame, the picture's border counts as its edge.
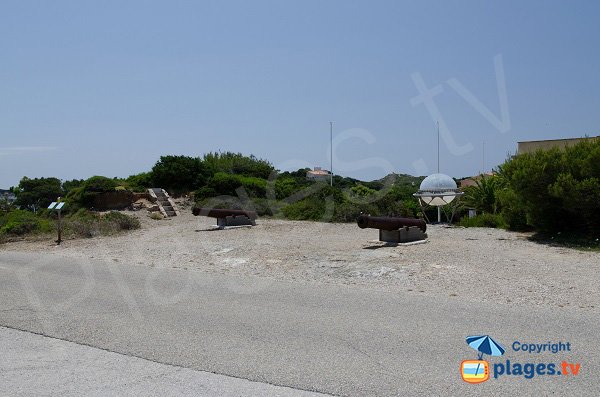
(227, 217)
(394, 229)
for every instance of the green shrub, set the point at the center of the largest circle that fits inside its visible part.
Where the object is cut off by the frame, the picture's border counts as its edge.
(139, 182)
(483, 195)
(204, 192)
(349, 211)
(263, 207)
(100, 184)
(85, 223)
(311, 208)
(72, 184)
(484, 220)
(157, 216)
(254, 187)
(361, 190)
(122, 221)
(513, 214)
(555, 190)
(222, 184)
(238, 164)
(332, 204)
(84, 195)
(179, 174)
(21, 222)
(81, 227)
(285, 187)
(37, 193)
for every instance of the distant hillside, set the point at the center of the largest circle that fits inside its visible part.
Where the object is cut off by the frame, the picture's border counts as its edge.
(400, 179)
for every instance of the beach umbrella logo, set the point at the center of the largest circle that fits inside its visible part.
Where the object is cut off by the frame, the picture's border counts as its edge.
(484, 344)
(478, 371)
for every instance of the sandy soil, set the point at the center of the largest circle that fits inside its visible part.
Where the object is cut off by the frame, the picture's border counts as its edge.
(475, 263)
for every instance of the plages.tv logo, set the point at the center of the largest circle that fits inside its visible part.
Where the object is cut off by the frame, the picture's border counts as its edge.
(478, 371)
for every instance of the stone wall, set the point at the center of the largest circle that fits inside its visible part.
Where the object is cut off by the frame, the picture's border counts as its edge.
(144, 196)
(116, 200)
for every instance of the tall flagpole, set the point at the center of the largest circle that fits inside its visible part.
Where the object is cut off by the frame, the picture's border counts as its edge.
(438, 167)
(483, 160)
(331, 152)
(438, 147)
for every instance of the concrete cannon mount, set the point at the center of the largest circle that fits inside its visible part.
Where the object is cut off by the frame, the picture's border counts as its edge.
(407, 234)
(240, 220)
(395, 230)
(228, 217)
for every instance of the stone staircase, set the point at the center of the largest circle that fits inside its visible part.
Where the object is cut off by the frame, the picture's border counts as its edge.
(164, 202)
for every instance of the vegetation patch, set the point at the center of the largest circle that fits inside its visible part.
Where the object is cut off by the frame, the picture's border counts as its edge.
(21, 222)
(89, 224)
(548, 192)
(484, 220)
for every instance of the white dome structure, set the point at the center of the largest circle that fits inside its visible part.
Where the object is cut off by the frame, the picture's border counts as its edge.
(438, 190)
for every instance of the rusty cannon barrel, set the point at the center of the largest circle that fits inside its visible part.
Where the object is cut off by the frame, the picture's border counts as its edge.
(223, 213)
(389, 223)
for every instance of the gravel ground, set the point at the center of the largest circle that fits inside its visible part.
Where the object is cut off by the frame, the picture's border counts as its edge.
(475, 263)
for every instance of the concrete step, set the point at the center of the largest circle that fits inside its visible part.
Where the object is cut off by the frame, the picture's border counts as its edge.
(162, 200)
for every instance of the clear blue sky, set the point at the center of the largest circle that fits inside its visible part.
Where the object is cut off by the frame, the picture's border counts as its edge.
(106, 87)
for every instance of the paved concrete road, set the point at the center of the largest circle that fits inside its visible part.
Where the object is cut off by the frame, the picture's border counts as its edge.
(315, 337)
(35, 365)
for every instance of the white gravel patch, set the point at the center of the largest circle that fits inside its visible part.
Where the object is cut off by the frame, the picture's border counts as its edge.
(475, 263)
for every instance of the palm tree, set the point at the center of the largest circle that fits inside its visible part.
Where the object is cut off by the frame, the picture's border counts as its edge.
(482, 196)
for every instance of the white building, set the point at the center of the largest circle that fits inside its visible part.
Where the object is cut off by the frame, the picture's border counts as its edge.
(318, 174)
(8, 195)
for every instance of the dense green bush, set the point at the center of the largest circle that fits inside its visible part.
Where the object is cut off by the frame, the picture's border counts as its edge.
(21, 222)
(286, 186)
(139, 182)
(360, 190)
(332, 204)
(556, 190)
(263, 207)
(484, 220)
(85, 223)
(100, 184)
(38, 192)
(292, 196)
(483, 195)
(349, 211)
(238, 164)
(72, 184)
(311, 208)
(513, 213)
(122, 221)
(81, 223)
(84, 195)
(222, 184)
(179, 174)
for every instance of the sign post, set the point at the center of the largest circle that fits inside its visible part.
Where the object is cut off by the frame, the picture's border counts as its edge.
(57, 206)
